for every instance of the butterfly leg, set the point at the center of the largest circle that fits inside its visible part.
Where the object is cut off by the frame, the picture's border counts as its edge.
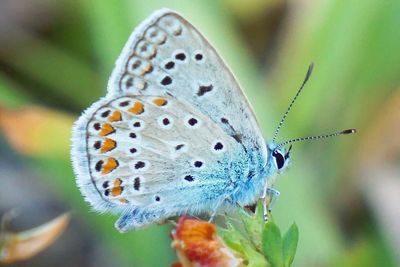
(269, 198)
(216, 208)
(273, 195)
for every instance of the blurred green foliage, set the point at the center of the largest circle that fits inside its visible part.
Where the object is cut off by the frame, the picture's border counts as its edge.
(355, 47)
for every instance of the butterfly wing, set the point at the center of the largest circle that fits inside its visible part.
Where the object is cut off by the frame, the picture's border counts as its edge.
(146, 156)
(174, 134)
(167, 54)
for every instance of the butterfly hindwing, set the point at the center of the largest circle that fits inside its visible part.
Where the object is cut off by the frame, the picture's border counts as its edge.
(155, 154)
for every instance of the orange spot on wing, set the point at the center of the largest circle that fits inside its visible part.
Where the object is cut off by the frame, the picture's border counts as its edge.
(115, 116)
(117, 182)
(137, 108)
(109, 166)
(106, 129)
(116, 191)
(148, 68)
(123, 200)
(108, 145)
(160, 102)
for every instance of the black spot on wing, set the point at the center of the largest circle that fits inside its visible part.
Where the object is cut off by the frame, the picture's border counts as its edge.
(169, 65)
(180, 56)
(139, 165)
(192, 121)
(97, 144)
(105, 113)
(124, 103)
(165, 121)
(218, 146)
(178, 147)
(136, 184)
(198, 56)
(189, 178)
(98, 165)
(97, 126)
(204, 89)
(198, 163)
(166, 80)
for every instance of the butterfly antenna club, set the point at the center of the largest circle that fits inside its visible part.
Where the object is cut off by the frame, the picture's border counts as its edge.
(344, 132)
(309, 71)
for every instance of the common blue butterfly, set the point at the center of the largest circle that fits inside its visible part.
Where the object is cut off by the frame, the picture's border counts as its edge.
(175, 134)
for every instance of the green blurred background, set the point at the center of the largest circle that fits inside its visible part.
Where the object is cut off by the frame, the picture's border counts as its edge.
(344, 193)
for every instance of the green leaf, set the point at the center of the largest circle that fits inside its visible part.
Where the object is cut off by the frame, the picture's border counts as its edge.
(239, 243)
(272, 244)
(290, 241)
(253, 224)
(254, 258)
(232, 238)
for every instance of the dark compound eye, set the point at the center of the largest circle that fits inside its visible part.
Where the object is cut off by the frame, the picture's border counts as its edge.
(279, 159)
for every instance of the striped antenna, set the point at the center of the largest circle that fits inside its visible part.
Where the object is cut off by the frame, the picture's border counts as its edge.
(344, 132)
(309, 71)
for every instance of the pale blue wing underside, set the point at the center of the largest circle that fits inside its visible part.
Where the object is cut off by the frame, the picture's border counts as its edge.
(175, 133)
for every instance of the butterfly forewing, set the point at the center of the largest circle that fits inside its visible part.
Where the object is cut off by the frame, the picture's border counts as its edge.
(167, 54)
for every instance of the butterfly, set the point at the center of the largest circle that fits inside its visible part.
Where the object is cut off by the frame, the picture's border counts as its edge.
(175, 133)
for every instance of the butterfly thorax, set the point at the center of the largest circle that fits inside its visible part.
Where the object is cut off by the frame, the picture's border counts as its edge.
(262, 173)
